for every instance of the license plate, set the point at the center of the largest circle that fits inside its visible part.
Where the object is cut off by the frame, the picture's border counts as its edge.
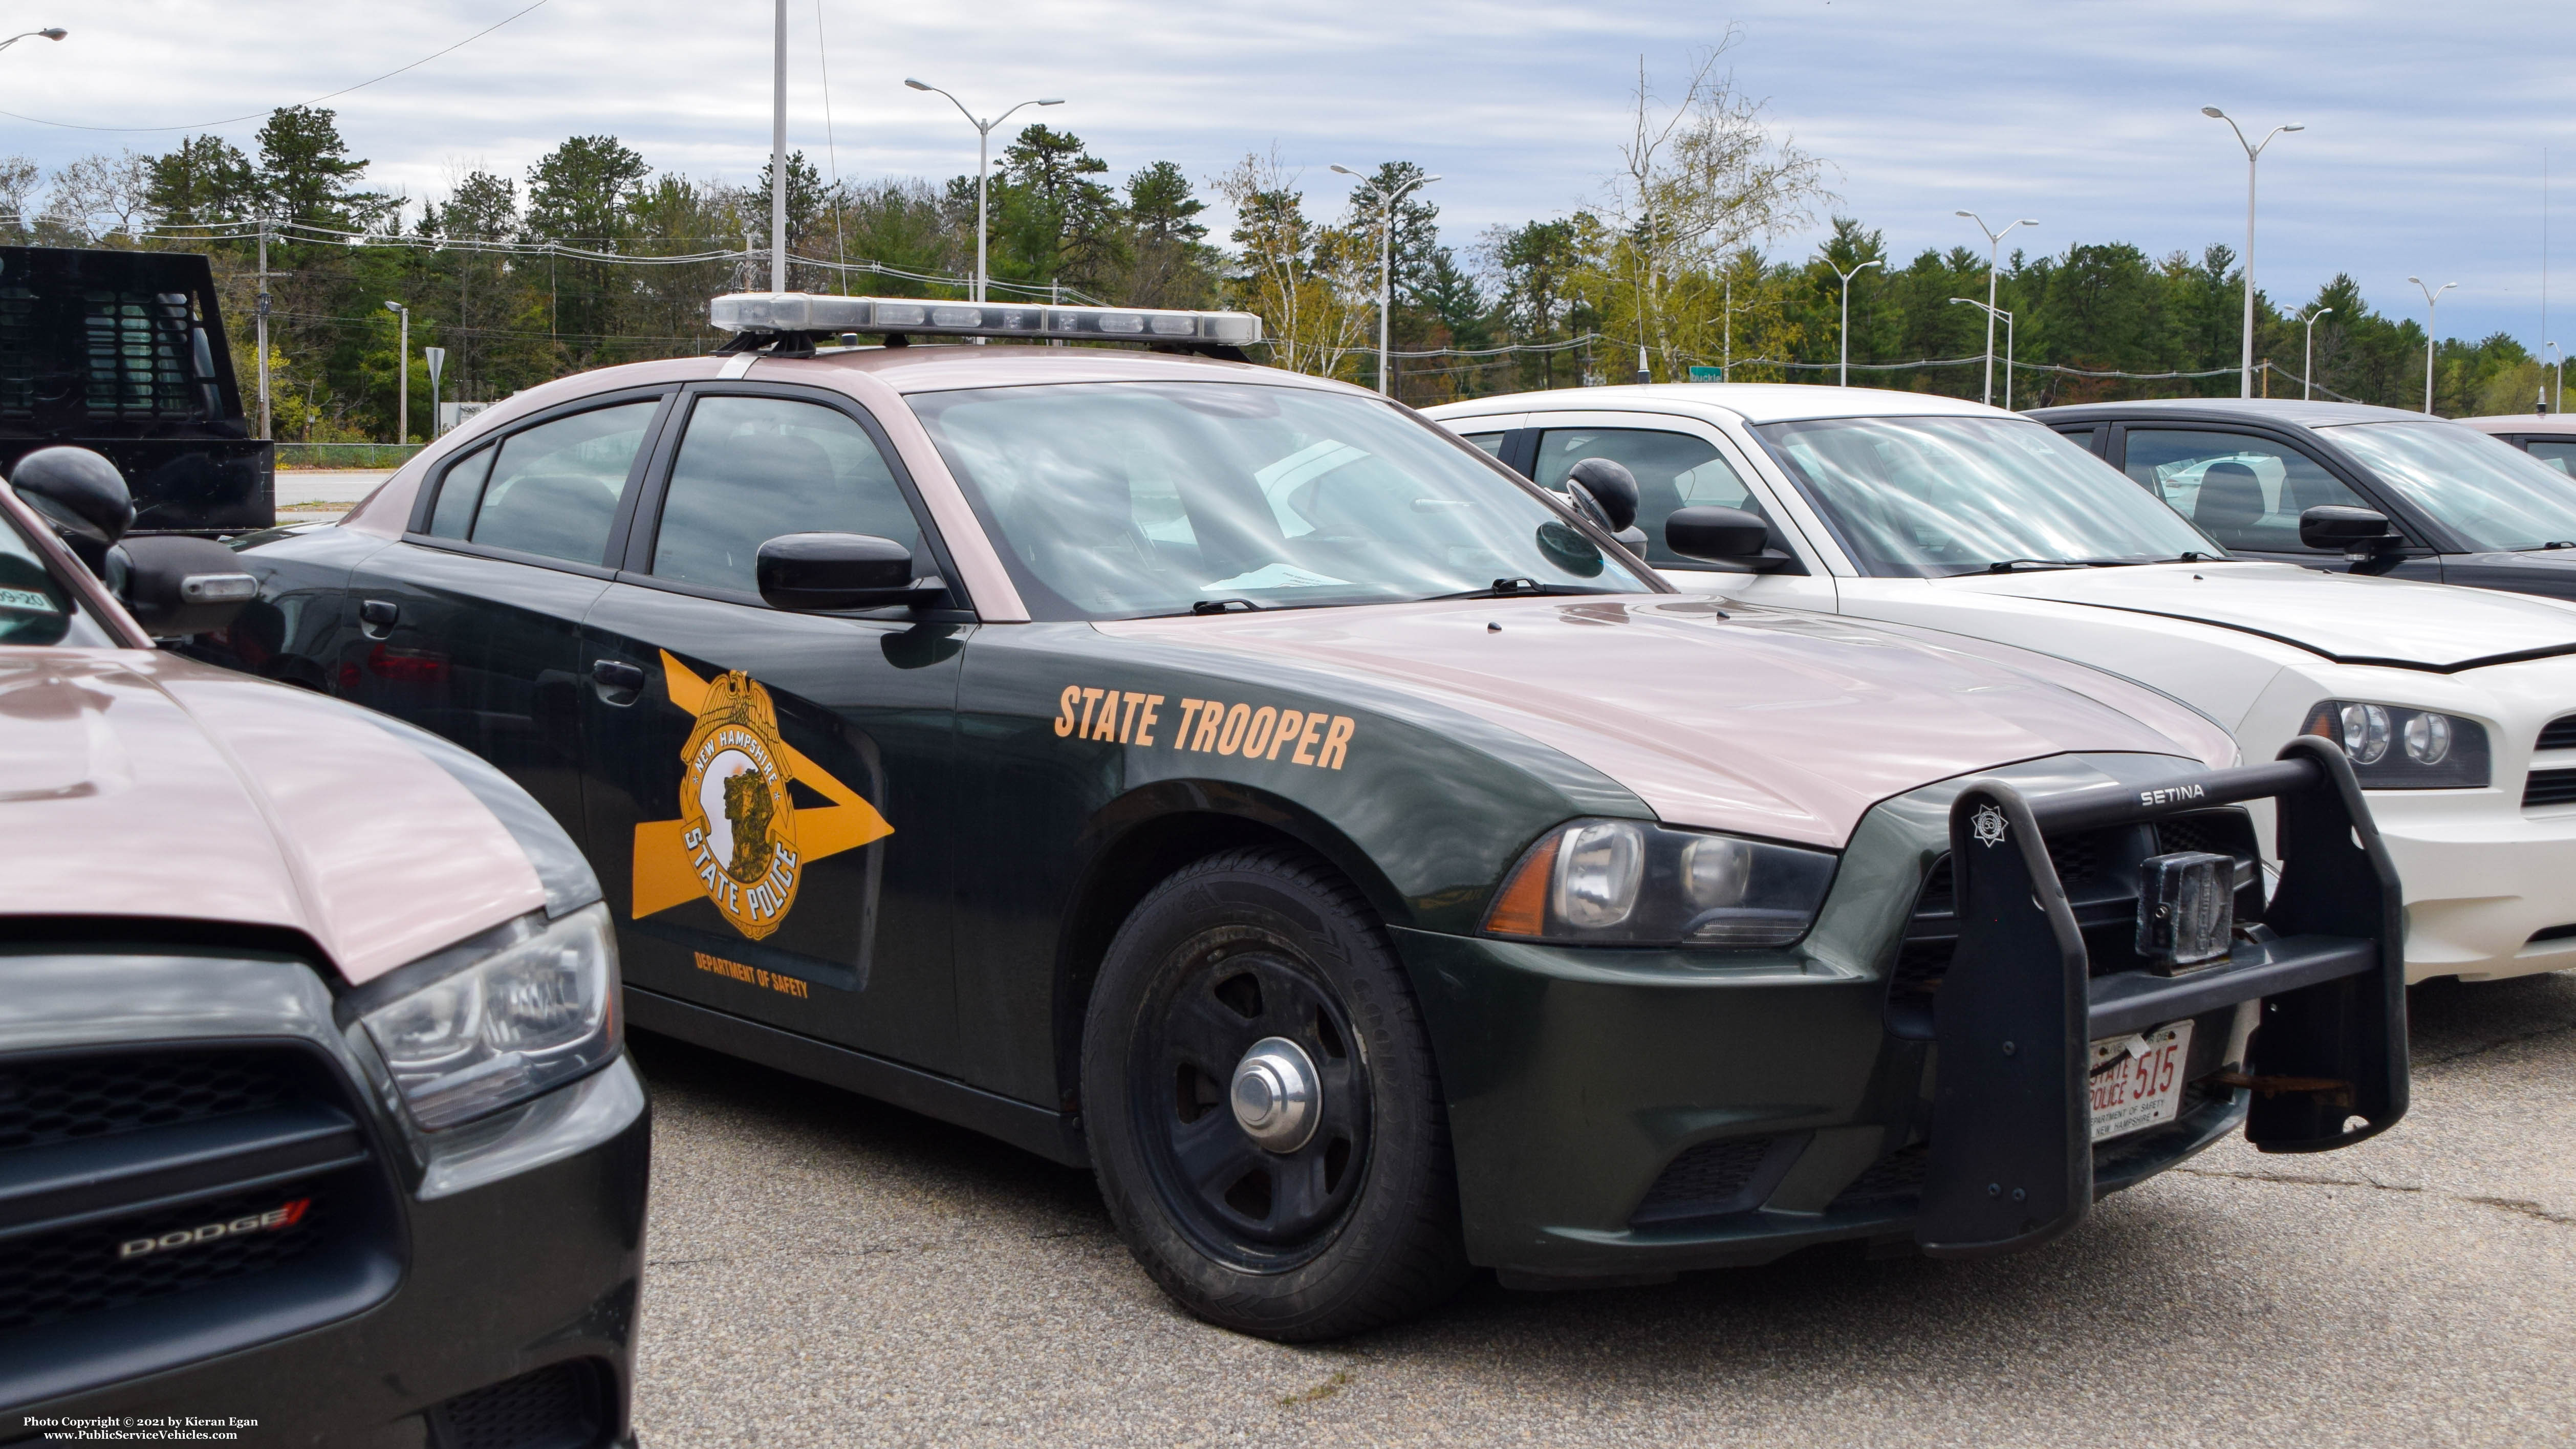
(2137, 1080)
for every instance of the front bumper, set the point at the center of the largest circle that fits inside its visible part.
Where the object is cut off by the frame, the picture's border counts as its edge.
(1633, 1113)
(430, 1289)
(2490, 887)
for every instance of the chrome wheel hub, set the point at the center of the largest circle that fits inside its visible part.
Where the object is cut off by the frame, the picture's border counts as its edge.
(1276, 1096)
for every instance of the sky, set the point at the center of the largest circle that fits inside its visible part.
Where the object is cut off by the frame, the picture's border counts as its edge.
(2423, 153)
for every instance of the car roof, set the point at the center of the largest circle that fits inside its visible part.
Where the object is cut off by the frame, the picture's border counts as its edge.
(1754, 402)
(2558, 425)
(2283, 410)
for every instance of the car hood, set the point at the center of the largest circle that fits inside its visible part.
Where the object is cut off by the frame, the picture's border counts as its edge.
(137, 784)
(2348, 618)
(1723, 715)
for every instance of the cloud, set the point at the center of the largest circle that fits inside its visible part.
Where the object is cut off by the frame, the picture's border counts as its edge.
(2422, 154)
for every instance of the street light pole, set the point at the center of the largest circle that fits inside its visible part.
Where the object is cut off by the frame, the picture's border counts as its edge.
(1994, 249)
(1386, 273)
(50, 32)
(2432, 303)
(983, 162)
(1993, 312)
(2308, 353)
(2253, 152)
(402, 371)
(1845, 376)
(2559, 364)
(778, 158)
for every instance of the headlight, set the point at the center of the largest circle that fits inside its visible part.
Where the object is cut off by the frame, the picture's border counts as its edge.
(2393, 747)
(1631, 883)
(518, 1010)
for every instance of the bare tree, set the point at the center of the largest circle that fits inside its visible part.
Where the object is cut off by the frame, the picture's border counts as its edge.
(19, 176)
(97, 197)
(1698, 181)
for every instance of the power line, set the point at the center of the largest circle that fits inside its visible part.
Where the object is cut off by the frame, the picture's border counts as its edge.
(255, 115)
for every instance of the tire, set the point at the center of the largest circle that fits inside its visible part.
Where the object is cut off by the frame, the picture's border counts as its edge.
(1356, 1226)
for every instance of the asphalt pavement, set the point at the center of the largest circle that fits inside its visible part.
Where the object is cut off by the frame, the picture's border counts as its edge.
(825, 1270)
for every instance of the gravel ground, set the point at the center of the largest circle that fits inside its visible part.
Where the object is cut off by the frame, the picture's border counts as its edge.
(825, 1270)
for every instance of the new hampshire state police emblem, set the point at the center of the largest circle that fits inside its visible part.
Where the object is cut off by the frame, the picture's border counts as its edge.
(740, 841)
(738, 822)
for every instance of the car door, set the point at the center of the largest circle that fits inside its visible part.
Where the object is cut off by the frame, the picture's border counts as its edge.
(470, 625)
(1679, 463)
(770, 793)
(2246, 490)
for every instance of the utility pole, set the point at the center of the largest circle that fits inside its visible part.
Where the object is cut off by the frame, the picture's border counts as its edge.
(263, 329)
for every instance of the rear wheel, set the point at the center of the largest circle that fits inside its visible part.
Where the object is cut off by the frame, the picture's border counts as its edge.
(1261, 1104)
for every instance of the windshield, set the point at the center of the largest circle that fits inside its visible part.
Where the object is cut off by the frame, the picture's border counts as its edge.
(35, 607)
(1933, 497)
(1123, 499)
(2485, 489)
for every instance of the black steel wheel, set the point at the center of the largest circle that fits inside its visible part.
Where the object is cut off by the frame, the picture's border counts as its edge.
(1261, 1104)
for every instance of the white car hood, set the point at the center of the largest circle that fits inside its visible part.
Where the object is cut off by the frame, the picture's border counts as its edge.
(2348, 618)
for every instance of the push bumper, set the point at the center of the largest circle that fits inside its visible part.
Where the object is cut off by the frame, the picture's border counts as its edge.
(1629, 1114)
(434, 1288)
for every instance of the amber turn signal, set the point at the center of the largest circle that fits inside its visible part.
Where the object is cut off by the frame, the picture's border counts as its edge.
(1521, 908)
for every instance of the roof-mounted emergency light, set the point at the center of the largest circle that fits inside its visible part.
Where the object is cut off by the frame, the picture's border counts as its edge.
(753, 314)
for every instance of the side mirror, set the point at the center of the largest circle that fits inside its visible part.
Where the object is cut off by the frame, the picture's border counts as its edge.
(827, 571)
(175, 586)
(1720, 535)
(1604, 491)
(82, 495)
(2341, 528)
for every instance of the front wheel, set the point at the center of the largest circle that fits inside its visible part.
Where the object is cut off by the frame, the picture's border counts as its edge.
(1262, 1107)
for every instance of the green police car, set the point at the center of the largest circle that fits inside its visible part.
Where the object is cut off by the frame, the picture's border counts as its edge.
(1223, 778)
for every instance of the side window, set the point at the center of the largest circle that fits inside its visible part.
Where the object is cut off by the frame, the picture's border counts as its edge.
(2557, 454)
(458, 492)
(1492, 443)
(2088, 437)
(2245, 492)
(553, 489)
(1673, 470)
(753, 468)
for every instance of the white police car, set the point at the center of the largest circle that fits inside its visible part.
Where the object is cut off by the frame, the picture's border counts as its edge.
(2456, 706)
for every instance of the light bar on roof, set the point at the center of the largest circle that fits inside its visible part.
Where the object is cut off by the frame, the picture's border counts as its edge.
(809, 312)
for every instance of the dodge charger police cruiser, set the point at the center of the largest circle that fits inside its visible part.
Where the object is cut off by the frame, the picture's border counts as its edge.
(313, 1112)
(1224, 779)
(2456, 707)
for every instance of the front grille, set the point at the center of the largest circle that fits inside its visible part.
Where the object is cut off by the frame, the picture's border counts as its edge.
(1705, 1181)
(2549, 787)
(2558, 734)
(42, 1103)
(77, 1271)
(563, 1406)
(126, 1178)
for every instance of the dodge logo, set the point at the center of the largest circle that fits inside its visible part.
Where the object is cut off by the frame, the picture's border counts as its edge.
(276, 1219)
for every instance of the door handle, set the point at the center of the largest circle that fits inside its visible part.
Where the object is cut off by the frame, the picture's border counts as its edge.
(376, 617)
(616, 674)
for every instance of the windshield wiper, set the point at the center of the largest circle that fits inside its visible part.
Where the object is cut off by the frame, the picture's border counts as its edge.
(2007, 565)
(1219, 606)
(1513, 588)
